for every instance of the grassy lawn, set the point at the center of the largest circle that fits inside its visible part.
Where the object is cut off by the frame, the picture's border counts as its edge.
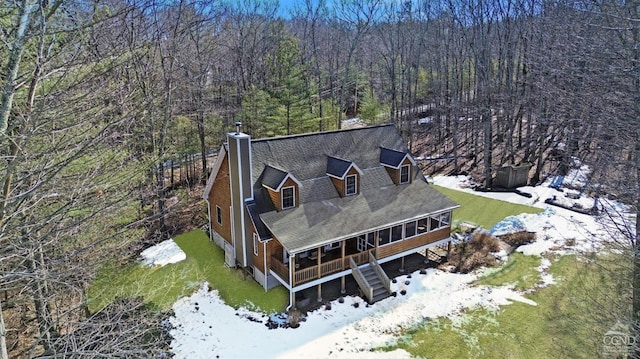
(482, 211)
(519, 271)
(162, 286)
(560, 326)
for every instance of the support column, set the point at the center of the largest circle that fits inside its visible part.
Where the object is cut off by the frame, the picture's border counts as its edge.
(401, 270)
(448, 250)
(320, 292)
(342, 266)
(319, 262)
(292, 300)
(292, 269)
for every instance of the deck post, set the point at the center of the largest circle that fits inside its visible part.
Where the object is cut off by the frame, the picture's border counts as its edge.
(320, 292)
(343, 287)
(319, 262)
(292, 300)
(401, 269)
(292, 270)
(449, 250)
(344, 244)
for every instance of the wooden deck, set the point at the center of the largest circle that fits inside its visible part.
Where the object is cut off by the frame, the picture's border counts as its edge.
(306, 274)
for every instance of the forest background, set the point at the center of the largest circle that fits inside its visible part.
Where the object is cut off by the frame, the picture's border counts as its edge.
(100, 98)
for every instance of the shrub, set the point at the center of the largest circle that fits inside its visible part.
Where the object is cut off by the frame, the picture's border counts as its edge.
(483, 242)
(519, 238)
(475, 253)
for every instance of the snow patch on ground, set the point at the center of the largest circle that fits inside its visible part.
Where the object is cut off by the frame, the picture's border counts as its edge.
(162, 254)
(205, 327)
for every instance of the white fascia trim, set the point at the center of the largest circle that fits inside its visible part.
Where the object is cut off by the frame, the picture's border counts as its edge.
(406, 155)
(289, 175)
(352, 165)
(214, 172)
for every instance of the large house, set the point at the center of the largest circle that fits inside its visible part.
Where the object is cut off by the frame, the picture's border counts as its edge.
(303, 210)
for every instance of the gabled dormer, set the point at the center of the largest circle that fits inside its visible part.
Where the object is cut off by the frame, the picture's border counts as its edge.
(398, 164)
(345, 176)
(283, 188)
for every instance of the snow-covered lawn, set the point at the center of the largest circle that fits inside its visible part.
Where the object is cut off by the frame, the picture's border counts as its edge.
(205, 327)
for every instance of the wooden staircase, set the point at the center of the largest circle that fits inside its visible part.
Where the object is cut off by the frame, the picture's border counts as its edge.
(373, 281)
(380, 292)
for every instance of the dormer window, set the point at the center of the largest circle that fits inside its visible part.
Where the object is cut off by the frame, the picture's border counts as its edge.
(282, 187)
(288, 197)
(345, 176)
(351, 186)
(398, 165)
(405, 172)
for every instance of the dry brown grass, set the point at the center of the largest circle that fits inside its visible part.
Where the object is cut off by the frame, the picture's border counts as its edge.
(517, 239)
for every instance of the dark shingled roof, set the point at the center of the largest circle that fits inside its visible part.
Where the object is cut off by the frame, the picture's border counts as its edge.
(321, 222)
(305, 156)
(322, 215)
(273, 177)
(337, 167)
(391, 157)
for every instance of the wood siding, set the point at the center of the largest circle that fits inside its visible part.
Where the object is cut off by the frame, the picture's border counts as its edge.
(395, 173)
(415, 242)
(341, 185)
(220, 195)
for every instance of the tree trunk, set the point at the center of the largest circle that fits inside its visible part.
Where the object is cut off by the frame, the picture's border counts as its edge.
(3, 335)
(636, 256)
(13, 65)
(46, 328)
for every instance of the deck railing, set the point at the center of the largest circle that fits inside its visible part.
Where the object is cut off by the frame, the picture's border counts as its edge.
(308, 274)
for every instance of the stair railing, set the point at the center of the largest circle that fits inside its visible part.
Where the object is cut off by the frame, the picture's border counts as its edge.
(381, 274)
(367, 289)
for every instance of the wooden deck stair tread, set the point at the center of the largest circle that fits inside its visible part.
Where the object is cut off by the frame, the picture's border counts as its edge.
(379, 290)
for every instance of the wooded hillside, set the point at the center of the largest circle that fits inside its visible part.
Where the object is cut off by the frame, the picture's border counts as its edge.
(100, 98)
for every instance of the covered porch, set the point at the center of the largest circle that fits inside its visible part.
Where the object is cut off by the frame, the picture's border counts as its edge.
(327, 260)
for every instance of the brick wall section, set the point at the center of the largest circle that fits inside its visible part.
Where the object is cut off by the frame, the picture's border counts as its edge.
(220, 195)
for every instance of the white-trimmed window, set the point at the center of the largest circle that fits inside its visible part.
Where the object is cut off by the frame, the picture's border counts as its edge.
(410, 229)
(351, 185)
(423, 225)
(445, 219)
(219, 215)
(255, 243)
(396, 233)
(288, 197)
(405, 174)
(384, 236)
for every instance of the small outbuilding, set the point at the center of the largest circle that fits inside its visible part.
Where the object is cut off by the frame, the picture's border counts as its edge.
(512, 176)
